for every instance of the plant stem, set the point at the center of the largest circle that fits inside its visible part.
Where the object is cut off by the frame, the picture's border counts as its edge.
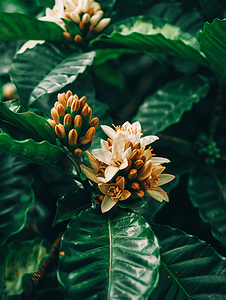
(35, 280)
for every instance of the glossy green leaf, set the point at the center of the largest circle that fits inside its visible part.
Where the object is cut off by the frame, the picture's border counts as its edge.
(103, 55)
(42, 153)
(46, 68)
(19, 260)
(190, 268)
(168, 104)
(212, 43)
(16, 195)
(71, 204)
(154, 35)
(207, 192)
(7, 52)
(15, 26)
(108, 256)
(32, 125)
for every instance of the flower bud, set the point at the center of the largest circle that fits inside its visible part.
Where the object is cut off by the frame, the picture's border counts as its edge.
(60, 131)
(52, 123)
(128, 144)
(90, 113)
(70, 100)
(75, 17)
(82, 102)
(140, 193)
(129, 164)
(86, 6)
(95, 19)
(75, 105)
(102, 24)
(68, 36)
(72, 137)
(86, 18)
(62, 99)
(81, 25)
(78, 121)
(54, 115)
(145, 171)
(94, 122)
(136, 153)
(84, 111)
(67, 119)
(69, 93)
(138, 164)
(77, 38)
(135, 186)
(132, 174)
(77, 152)
(60, 110)
(89, 136)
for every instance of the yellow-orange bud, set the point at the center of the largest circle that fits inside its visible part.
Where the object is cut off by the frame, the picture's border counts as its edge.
(136, 146)
(68, 36)
(132, 174)
(60, 131)
(94, 122)
(81, 25)
(135, 186)
(78, 121)
(75, 105)
(52, 123)
(77, 152)
(145, 171)
(54, 115)
(84, 111)
(136, 153)
(70, 100)
(129, 164)
(60, 110)
(69, 93)
(82, 101)
(72, 137)
(89, 136)
(138, 164)
(62, 100)
(140, 193)
(67, 119)
(77, 38)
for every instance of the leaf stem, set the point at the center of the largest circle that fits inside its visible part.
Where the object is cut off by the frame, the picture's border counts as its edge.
(174, 139)
(35, 280)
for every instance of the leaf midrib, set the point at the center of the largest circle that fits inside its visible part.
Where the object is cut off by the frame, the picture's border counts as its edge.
(110, 259)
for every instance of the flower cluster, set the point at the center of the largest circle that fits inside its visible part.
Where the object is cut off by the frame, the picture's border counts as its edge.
(125, 165)
(86, 13)
(72, 122)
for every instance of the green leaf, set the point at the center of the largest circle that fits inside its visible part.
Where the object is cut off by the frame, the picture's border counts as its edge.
(103, 55)
(153, 35)
(108, 256)
(32, 125)
(212, 43)
(16, 195)
(211, 8)
(7, 52)
(18, 262)
(42, 153)
(107, 6)
(51, 70)
(71, 204)
(190, 268)
(15, 26)
(168, 104)
(207, 192)
(46, 3)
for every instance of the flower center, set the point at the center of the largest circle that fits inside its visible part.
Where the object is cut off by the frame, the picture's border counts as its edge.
(153, 181)
(114, 192)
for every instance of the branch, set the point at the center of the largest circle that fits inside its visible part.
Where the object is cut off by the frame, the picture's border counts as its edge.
(35, 280)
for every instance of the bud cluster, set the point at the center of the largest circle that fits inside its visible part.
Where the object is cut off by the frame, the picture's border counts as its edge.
(72, 122)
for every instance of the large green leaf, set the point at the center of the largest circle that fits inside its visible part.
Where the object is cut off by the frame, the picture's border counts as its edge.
(15, 26)
(7, 52)
(16, 195)
(168, 104)
(46, 68)
(190, 268)
(212, 43)
(18, 262)
(211, 8)
(154, 35)
(207, 191)
(110, 256)
(103, 55)
(29, 123)
(71, 204)
(42, 153)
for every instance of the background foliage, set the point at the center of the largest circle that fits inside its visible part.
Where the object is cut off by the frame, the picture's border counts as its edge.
(161, 63)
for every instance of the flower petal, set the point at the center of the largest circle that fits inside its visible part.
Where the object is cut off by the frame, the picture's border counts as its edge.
(103, 155)
(104, 144)
(104, 187)
(124, 164)
(110, 172)
(127, 153)
(125, 195)
(158, 170)
(107, 203)
(144, 141)
(91, 174)
(136, 126)
(164, 178)
(109, 131)
(118, 146)
(160, 160)
(158, 194)
(93, 161)
(121, 184)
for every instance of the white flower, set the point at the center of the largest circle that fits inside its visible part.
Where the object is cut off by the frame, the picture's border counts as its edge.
(55, 14)
(116, 160)
(113, 192)
(130, 132)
